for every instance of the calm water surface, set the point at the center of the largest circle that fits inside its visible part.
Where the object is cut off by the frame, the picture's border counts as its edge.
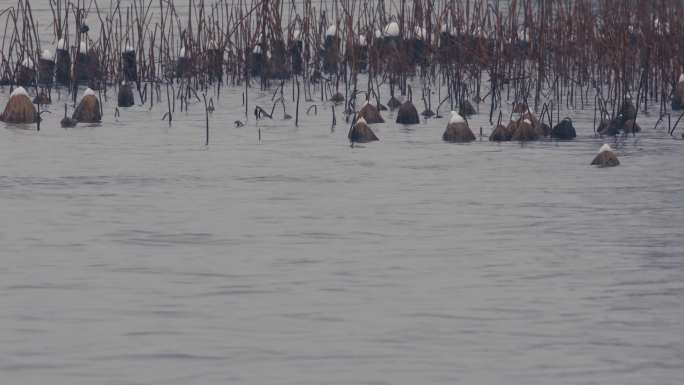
(134, 255)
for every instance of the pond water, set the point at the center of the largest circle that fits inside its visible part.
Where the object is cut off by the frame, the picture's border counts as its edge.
(133, 254)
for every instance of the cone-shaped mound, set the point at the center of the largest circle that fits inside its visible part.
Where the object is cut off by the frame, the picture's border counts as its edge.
(370, 114)
(525, 131)
(606, 157)
(88, 110)
(564, 130)
(361, 133)
(501, 134)
(125, 97)
(457, 130)
(19, 108)
(408, 114)
(512, 126)
(536, 124)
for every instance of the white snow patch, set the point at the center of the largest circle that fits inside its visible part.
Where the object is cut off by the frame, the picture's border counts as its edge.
(661, 27)
(27, 62)
(361, 120)
(89, 92)
(257, 49)
(19, 91)
(392, 29)
(83, 47)
(456, 118)
(296, 35)
(421, 33)
(46, 55)
(605, 148)
(362, 40)
(182, 52)
(61, 44)
(378, 34)
(331, 31)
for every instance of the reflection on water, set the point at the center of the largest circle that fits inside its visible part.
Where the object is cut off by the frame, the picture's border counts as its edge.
(132, 254)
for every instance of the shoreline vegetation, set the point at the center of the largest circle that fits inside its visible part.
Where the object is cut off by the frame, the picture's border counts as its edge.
(529, 62)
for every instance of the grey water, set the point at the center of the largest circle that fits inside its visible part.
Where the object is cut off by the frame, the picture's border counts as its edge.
(132, 254)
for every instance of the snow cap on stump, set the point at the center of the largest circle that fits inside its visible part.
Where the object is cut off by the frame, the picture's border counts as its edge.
(19, 108)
